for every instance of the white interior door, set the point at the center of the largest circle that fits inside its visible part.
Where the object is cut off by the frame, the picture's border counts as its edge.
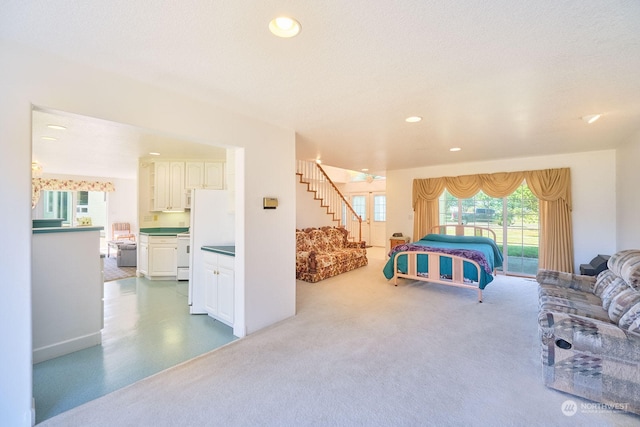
(372, 207)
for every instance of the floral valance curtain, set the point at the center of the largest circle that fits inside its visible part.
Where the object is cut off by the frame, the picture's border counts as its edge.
(551, 186)
(39, 184)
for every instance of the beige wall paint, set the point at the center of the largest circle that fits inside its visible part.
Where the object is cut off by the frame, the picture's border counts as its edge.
(593, 183)
(308, 210)
(628, 194)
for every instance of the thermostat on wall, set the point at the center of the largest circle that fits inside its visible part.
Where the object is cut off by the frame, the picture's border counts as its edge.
(269, 203)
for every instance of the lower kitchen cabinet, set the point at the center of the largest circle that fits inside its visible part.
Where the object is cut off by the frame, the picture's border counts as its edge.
(219, 286)
(143, 256)
(158, 256)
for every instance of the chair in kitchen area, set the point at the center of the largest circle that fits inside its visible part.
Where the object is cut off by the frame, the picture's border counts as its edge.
(120, 233)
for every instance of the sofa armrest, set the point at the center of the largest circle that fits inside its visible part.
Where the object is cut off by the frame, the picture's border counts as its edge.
(313, 263)
(566, 280)
(586, 335)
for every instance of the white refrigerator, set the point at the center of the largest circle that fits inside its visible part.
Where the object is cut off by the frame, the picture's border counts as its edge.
(212, 224)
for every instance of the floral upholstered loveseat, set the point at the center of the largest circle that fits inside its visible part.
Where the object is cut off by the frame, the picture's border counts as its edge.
(326, 252)
(590, 332)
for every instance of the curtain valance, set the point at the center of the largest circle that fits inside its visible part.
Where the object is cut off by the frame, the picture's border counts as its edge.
(551, 186)
(39, 184)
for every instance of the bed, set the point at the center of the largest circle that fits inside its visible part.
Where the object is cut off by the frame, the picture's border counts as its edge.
(467, 259)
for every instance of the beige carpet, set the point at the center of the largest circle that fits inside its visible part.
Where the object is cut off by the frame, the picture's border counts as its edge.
(363, 352)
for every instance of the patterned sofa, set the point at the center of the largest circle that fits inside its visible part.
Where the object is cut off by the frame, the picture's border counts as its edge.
(326, 252)
(590, 332)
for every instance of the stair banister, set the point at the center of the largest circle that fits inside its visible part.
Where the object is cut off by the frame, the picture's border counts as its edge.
(329, 196)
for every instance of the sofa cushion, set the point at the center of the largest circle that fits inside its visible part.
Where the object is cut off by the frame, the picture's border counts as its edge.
(616, 286)
(335, 238)
(303, 243)
(571, 301)
(567, 297)
(626, 264)
(565, 280)
(319, 241)
(632, 315)
(546, 292)
(622, 303)
(602, 281)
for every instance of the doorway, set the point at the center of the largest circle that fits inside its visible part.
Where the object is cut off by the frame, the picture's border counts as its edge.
(372, 208)
(87, 148)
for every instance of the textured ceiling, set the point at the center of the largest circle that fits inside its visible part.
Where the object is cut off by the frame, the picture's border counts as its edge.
(499, 78)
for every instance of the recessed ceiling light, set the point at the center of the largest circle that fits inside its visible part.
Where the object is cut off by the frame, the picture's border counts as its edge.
(284, 26)
(591, 118)
(153, 153)
(455, 149)
(58, 127)
(49, 138)
(365, 170)
(413, 119)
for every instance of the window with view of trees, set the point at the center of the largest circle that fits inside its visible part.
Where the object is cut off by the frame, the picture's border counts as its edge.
(515, 220)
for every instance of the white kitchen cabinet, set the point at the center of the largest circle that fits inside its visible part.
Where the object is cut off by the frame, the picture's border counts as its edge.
(143, 255)
(167, 186)
(158, 259)
(219, 286)
(207, 175)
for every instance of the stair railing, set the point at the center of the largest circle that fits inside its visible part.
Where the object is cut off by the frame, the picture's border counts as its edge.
(330, 197)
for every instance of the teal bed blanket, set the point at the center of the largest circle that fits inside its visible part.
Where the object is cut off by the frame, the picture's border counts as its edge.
(480, 249)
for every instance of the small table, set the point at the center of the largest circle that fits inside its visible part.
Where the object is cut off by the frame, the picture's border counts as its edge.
(395, 241)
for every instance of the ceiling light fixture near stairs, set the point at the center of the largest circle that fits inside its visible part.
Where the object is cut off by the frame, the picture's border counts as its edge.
(284, 27)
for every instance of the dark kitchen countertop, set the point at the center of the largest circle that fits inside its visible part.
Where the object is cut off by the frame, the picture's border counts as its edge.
(223, 250)
(164, 231)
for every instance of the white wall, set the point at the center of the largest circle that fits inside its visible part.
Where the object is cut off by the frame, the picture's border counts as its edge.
(364, 186)
(628, 194)
(308, 210)
(593, 187)
(266, 244)
(122, 204)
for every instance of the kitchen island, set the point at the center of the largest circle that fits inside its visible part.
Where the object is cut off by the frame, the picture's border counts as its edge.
(67, 290)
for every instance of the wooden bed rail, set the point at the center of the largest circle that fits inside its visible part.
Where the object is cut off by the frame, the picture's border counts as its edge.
(434, 275)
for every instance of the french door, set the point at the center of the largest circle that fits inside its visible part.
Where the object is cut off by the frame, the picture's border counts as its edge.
(372, 208)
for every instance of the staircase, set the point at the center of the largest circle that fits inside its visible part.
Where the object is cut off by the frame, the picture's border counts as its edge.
(330, 198)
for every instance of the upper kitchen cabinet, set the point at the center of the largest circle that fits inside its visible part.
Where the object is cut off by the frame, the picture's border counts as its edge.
(167, 186)
(207, 175)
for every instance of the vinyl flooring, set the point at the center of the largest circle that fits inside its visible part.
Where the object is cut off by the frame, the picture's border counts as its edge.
(147, 328)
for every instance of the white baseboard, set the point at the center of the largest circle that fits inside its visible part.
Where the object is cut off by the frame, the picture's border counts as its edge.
(65, 347)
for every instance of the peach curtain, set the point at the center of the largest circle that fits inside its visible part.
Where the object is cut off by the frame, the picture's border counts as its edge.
(551, 186)
(425, 205)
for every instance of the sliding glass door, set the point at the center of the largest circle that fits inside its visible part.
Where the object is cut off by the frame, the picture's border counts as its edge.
(514, 219)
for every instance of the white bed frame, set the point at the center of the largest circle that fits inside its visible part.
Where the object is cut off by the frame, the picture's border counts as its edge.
(457, 263)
